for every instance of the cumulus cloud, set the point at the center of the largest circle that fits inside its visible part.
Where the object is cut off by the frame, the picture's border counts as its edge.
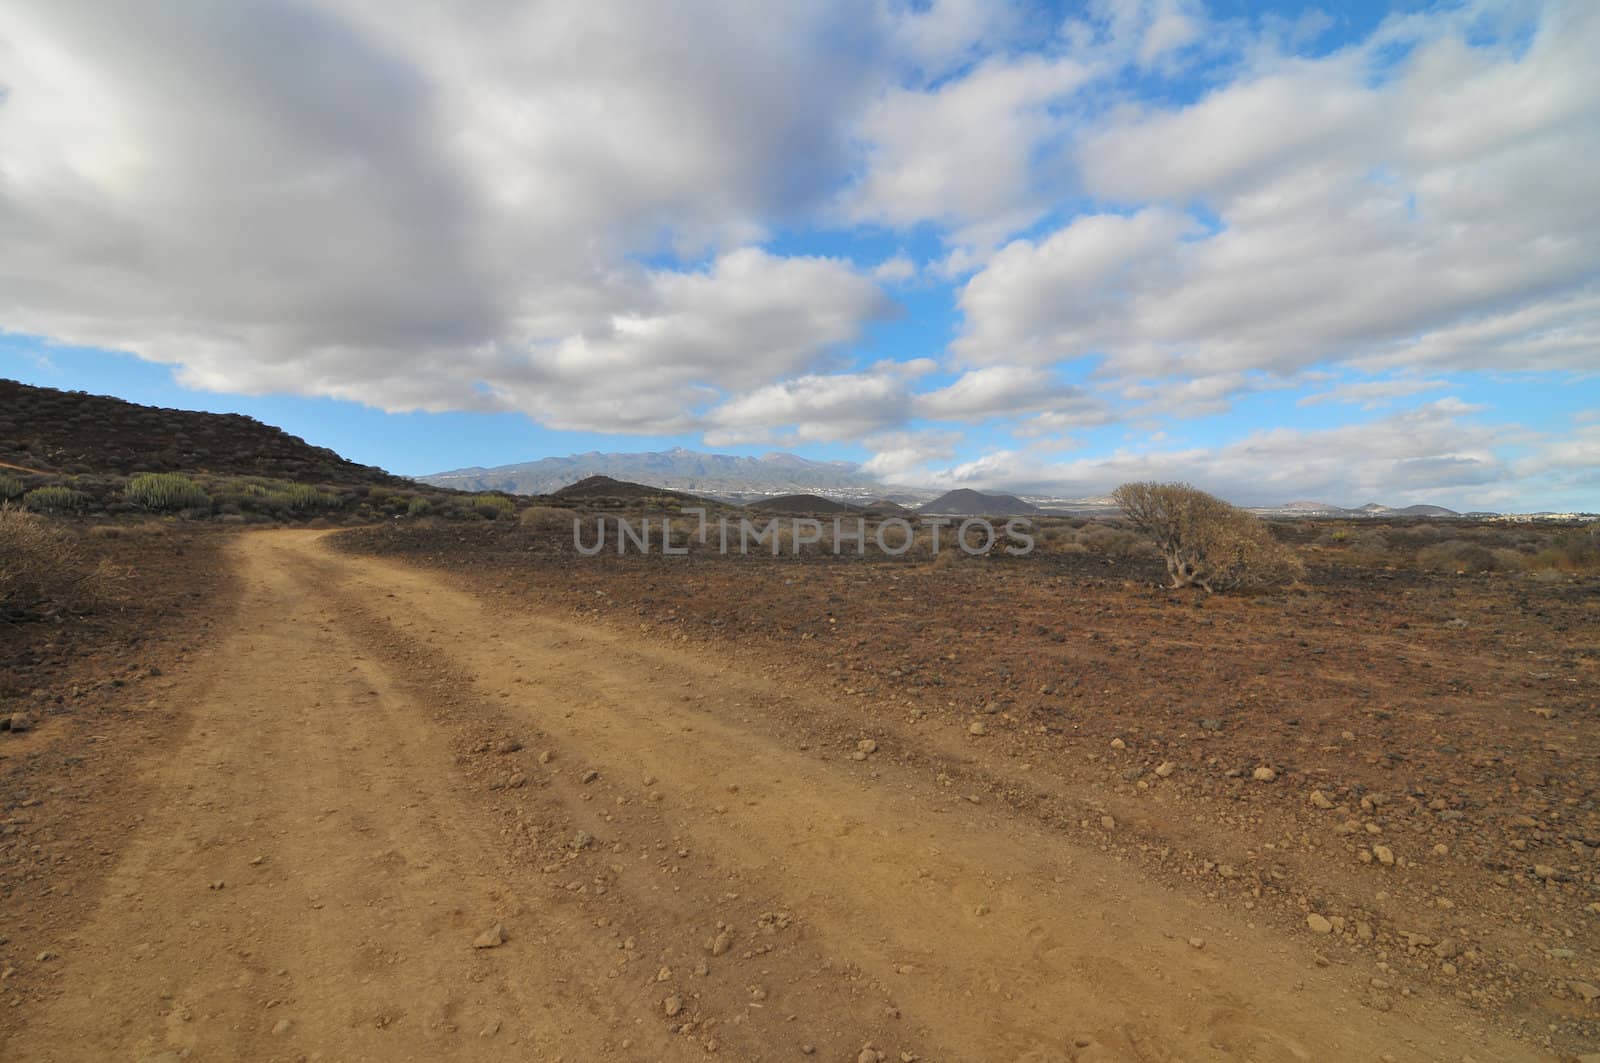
(1435, 453)
(589, 213)
(1372, 393)
(818, 408)
(963, 153)
(1349, 212)
(1007, 390)
(909, 456)
(395, 204)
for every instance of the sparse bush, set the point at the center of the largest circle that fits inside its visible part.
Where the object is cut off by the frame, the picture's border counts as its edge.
(41, 566)
(1577, 550)
(419, 507)
(10, 487)
(1109, 541)
(547, 518)
(55, 500)
(166, 492)
(1205, 541)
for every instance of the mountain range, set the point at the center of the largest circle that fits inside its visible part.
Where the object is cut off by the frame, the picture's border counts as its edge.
(735, 478)
(725, 476)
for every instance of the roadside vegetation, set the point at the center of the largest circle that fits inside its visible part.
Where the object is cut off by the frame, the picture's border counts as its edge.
(1206, 542)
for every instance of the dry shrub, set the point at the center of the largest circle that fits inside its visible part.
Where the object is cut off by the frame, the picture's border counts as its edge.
(1207, 542)
(1577, 550)
(547, 518)
(1110, 541)
(43, 568)
(1459, 555)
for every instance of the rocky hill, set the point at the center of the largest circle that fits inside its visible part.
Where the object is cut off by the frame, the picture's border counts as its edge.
(969, 503)
(55, 431)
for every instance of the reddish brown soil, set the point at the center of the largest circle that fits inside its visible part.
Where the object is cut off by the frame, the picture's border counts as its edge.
(650, 773)
(1461, 712)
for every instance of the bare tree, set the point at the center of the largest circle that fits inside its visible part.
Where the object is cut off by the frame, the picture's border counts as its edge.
(1206, 542)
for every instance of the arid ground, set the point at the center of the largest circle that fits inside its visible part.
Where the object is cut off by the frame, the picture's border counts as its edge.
(420, 793)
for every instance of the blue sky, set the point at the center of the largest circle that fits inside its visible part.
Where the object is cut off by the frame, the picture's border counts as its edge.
(1281, 250)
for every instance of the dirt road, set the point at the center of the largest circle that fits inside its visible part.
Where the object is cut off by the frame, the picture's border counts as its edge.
(378, 767)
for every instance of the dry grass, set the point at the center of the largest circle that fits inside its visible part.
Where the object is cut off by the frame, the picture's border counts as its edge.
(43, 567)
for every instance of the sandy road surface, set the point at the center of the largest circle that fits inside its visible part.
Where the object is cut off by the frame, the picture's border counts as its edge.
(677, 870)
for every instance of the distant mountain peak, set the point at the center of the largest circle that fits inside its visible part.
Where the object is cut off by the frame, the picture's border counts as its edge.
(680, 469)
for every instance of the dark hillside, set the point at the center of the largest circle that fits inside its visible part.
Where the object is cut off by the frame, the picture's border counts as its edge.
(75, 432)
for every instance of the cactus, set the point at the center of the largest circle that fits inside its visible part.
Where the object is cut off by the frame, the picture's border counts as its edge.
(55, 500)
(166, 492)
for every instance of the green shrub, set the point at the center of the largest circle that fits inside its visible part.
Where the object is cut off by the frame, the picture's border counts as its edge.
(166, 492)
(301, 498)
(419, 507)
(10, 487)
(493, 507)
(55, 500)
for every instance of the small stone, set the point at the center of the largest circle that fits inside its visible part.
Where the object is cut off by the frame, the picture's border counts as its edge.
(1384, 854)
(976, 727)
(1263, 774)
(1319, 924)
(1320, 800)
(1117, 743)
(1544, 871)
(866, 747)
(589, 776)
(21, 721)
(1197, 943)
(492, 938)
(1108, 822)
(517, 780)
(545, 756)
(507, 745)
(722, 943)
(1586, 992)
(1166, 768)
(280, 1027)
(1441, 849)
(672, 1005)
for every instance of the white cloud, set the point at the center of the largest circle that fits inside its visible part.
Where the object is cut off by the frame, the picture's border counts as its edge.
(964, 153)
(818, 408)
(576, 210)
(896, 270)
(1357, 219)
(1010, 390)
(397, 205)
(908, 456)
(1370, 394)
(1434, 453)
